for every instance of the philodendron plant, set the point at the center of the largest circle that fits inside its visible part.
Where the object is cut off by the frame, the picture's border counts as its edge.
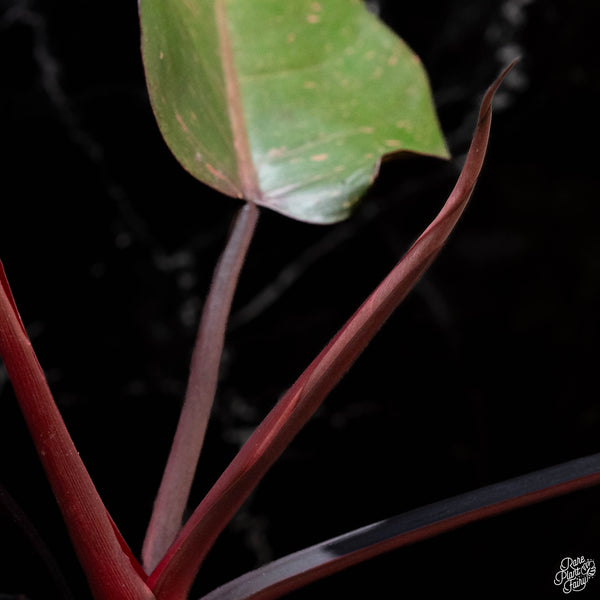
(289, 106)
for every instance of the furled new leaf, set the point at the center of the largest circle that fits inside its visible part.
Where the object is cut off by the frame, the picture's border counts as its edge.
(289, 104)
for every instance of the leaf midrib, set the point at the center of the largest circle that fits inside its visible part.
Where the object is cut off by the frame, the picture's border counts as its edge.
(250, 189)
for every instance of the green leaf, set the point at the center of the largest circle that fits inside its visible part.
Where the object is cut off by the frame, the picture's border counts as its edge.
(290, 104)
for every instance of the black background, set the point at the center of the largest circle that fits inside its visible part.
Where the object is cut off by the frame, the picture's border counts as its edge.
(487, 371)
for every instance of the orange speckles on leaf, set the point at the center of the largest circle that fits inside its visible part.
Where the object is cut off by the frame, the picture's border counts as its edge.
(191, 6)
(276, 152)
(393, 143)
(296, 73)
(181, 122)
(219, 175)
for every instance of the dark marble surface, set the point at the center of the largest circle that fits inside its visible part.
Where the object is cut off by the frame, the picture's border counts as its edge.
(487, 371)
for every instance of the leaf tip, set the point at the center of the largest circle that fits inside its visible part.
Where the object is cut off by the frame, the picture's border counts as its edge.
(486, 103)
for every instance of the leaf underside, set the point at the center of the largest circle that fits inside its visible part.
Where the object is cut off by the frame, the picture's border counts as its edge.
(290, 105)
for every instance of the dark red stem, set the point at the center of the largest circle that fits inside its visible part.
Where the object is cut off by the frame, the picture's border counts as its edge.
(172, 498)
